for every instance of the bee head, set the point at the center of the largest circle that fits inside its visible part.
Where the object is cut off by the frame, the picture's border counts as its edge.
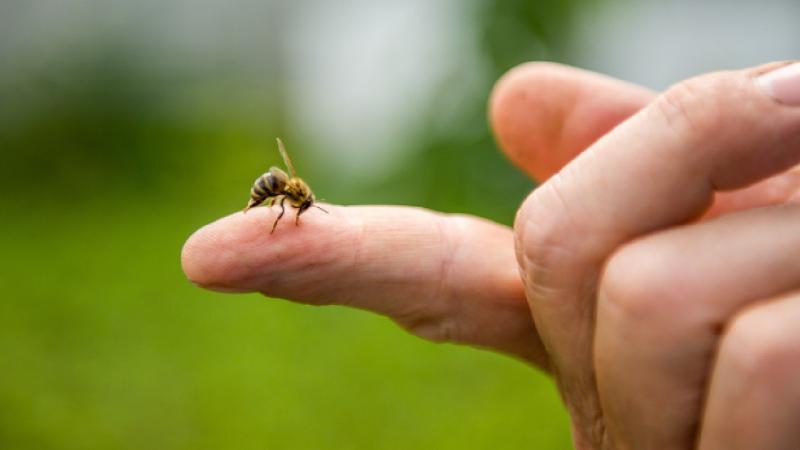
(307, 203)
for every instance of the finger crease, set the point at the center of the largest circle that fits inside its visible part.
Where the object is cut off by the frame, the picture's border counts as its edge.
(443, 293)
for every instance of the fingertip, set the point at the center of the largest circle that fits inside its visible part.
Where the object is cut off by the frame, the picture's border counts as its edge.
(544, 114)
(237, 253)
(200, 258)
(188, 251)
(214, 255)
(525, 118)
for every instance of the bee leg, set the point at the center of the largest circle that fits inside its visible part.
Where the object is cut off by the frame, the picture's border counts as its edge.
(300, 210)
(283, 210)
(250, 204)
(271, 201)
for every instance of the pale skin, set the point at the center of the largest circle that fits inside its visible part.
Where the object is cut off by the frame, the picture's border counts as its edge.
(658, 258)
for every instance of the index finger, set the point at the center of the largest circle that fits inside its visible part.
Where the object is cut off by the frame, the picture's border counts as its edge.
(444, 277)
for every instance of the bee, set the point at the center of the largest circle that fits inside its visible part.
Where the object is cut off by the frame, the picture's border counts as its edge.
(276, 183)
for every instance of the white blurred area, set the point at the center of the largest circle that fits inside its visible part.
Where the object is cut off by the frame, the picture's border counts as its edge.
(657, 43)
(361, 75)
(357, 76)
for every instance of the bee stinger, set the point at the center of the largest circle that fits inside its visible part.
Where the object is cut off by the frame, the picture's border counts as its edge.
(276, 183)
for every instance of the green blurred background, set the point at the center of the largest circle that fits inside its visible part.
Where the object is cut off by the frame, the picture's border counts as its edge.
(124, 126)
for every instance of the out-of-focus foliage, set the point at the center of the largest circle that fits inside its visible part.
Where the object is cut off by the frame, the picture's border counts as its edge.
(111, 157)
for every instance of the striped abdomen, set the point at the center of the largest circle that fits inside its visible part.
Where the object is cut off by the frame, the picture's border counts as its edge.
(267, 185)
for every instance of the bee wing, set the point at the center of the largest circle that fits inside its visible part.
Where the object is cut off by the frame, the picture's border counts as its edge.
(286, 159)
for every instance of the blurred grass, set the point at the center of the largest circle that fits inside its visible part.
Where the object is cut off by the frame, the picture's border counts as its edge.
(110, 164)
(103, 344)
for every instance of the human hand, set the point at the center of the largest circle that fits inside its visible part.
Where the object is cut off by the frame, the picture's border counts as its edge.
(659, 315)
(454, 278)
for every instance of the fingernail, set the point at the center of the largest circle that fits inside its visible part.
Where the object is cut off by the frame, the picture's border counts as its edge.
(783, 84)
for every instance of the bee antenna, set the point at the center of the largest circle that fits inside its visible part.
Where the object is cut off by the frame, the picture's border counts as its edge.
(321, 209)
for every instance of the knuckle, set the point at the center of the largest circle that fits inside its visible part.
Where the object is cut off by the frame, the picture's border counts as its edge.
(761, 347)
(543, 232)
(685, 107)
(704, 104)
(439, 320)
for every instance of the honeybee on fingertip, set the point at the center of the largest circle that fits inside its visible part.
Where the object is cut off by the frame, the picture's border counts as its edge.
(276, 183)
